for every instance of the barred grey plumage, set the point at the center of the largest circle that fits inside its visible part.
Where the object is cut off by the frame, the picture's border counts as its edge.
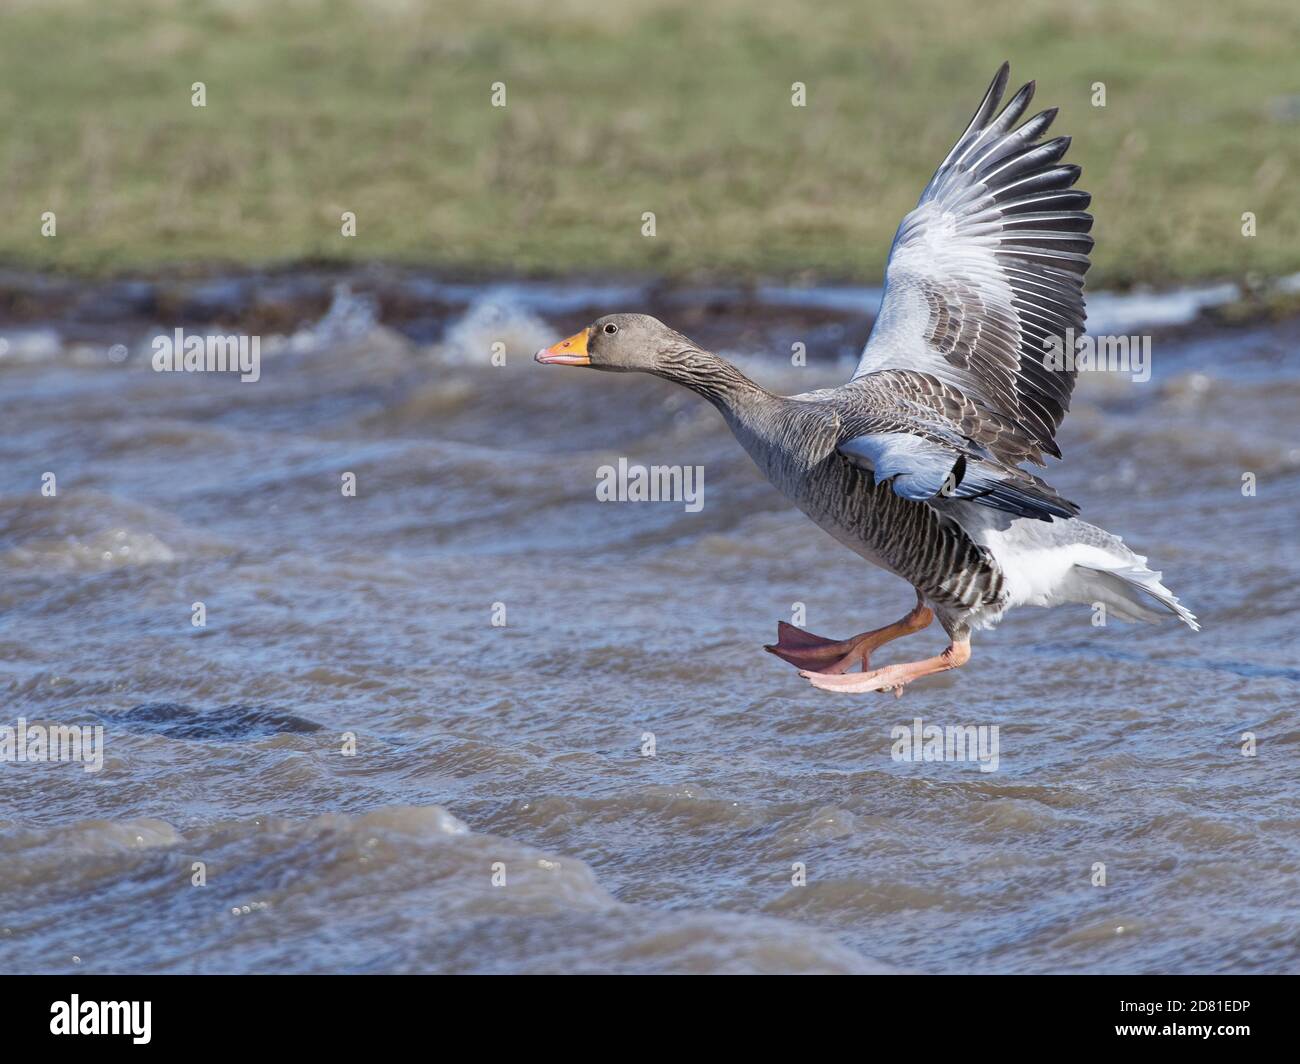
(914, 463)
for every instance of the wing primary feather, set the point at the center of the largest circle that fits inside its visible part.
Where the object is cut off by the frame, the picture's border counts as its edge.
(985, 273)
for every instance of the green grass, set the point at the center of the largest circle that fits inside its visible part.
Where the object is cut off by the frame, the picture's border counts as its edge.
(615, 107)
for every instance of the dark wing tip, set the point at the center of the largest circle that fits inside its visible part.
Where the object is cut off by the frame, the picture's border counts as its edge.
(998, 86)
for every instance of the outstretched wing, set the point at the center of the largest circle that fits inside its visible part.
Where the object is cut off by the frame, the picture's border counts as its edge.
(985, 275)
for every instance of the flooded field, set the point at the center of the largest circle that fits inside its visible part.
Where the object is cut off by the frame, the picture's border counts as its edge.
(447, 711)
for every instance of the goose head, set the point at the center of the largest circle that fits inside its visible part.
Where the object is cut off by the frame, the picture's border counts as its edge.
(621, 343)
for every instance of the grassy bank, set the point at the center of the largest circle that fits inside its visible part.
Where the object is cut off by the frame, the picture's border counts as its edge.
(679, 107)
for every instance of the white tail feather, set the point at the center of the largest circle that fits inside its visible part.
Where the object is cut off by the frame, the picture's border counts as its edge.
(1132, 592)
(1048, 563)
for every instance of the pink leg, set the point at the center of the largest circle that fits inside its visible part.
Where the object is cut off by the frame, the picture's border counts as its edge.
(893, 677)
(813, 653)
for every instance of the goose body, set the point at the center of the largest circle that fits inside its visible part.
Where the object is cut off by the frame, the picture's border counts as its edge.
(916, 462)
(795, 441)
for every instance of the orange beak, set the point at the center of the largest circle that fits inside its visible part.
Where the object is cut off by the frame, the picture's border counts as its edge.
(570, 352)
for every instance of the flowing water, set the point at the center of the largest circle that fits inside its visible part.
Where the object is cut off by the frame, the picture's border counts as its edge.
(413, 730)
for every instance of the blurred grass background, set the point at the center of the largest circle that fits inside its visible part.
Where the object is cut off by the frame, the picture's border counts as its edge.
(680, 107)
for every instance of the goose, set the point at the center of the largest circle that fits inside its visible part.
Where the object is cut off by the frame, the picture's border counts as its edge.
(916, 462)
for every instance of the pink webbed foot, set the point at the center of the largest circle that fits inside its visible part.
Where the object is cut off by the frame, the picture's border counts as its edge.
(815, 653)
(892, 677)
(832, 657)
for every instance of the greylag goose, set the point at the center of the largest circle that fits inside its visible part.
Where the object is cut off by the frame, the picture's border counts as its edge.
(915, 462)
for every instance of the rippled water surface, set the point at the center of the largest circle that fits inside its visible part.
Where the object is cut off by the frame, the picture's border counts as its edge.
(485, 751)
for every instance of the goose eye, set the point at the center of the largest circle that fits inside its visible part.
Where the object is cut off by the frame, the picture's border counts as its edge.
(611, 328)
